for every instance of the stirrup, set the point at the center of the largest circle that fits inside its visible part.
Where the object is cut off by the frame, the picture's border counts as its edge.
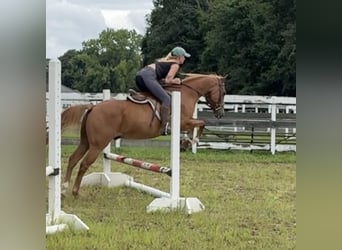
(166, 130)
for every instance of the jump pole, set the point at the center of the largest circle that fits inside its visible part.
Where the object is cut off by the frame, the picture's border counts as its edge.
(165, 201)
(56, 219)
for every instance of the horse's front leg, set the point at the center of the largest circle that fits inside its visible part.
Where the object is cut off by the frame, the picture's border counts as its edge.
(200, 131)
(197, 124)
(190, 127)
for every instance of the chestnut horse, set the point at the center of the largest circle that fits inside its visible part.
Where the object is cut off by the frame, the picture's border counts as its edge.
(115, 119)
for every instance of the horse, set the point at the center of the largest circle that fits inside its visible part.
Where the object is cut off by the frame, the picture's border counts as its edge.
(114, 119)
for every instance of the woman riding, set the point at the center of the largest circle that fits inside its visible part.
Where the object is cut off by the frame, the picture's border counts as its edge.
(163, 71)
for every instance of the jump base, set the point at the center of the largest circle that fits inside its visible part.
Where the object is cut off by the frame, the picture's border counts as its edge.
(189, 205)
(64, 221)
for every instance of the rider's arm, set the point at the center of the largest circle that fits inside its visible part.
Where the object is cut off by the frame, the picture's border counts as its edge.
(169, 79)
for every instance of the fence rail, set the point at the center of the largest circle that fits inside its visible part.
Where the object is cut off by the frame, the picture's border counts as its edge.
(250, 122)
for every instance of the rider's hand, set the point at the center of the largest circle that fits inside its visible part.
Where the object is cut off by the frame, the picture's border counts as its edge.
(177, 81)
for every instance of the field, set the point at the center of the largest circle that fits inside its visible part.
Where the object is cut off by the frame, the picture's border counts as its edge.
(249, 199)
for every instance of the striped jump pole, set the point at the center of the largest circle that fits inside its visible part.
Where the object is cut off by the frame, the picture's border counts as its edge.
(137, 163)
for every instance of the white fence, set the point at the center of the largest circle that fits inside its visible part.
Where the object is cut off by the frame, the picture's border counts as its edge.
(272, 105)
(236, 103)
(233, 103)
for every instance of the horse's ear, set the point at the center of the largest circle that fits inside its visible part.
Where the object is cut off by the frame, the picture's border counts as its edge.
(225, 76)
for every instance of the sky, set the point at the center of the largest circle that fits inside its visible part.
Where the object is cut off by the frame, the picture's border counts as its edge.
(70, 22)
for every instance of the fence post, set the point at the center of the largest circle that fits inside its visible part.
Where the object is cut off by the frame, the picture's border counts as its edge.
(194, 134)
(236, 110)
(273, 129)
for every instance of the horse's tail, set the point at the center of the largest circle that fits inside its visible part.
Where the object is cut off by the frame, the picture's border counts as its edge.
(72, 117)
(83, 133)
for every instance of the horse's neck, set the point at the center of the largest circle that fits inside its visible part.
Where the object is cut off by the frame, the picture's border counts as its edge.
(191, 94)
(195, 88)
(202, 84)
(189, 98)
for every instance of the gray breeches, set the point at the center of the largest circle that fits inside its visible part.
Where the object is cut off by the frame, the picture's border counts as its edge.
(146, 80)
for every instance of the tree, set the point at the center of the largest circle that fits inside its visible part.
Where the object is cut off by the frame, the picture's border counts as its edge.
(111, 61)
(247, 41)
(229, 43)
(251, 41)
(174, 23)
(68, 67)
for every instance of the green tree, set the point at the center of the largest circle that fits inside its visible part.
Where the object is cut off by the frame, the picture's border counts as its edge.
(252, 41)
(111, 61)
(88, 74)
(68, 68)
(246, 40)
(283, 69)
(174, 23)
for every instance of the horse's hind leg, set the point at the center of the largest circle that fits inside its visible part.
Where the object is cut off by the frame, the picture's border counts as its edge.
(73, 159)
(86, 162)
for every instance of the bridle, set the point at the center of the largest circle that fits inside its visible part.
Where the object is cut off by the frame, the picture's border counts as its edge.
(215, 106)
(218, 106)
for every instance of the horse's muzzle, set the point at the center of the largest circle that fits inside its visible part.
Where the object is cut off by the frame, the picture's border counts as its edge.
(219, 113)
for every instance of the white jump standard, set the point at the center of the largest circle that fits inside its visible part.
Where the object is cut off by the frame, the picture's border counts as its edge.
(56, 219)
(165, 201)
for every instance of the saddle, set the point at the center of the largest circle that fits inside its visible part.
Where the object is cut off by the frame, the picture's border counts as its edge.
(144, 98)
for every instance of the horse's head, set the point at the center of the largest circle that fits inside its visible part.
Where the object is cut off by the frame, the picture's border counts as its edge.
(215, 95)
(212, 88)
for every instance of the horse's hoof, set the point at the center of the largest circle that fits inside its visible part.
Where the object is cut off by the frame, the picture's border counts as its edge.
(64, 189)
(195, 141)
(75, 194)
(63, 194)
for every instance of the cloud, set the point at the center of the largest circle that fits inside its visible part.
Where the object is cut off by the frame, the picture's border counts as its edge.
(115, 5)
(126, 19)
(117, 19)
(138, 19)
(68, 25)
(70, 22)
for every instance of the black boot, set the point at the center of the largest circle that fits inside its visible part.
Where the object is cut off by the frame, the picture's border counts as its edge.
(165, 119)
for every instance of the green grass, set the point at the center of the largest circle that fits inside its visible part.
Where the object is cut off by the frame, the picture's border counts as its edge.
(75, 134)
(249, 199)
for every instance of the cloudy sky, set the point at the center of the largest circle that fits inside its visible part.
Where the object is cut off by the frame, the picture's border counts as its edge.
(70, 22)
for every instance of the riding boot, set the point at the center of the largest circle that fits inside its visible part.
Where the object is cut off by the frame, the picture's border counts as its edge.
(165, 119)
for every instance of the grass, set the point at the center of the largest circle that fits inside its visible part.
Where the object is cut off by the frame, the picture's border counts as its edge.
(75, 134)
(249, 199)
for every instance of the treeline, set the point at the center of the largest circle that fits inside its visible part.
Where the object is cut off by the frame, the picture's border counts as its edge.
(251, 41)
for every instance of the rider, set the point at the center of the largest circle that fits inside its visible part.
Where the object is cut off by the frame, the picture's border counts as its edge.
(162, 70)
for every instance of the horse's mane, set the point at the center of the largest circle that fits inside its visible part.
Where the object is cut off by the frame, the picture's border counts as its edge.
(191, 76)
